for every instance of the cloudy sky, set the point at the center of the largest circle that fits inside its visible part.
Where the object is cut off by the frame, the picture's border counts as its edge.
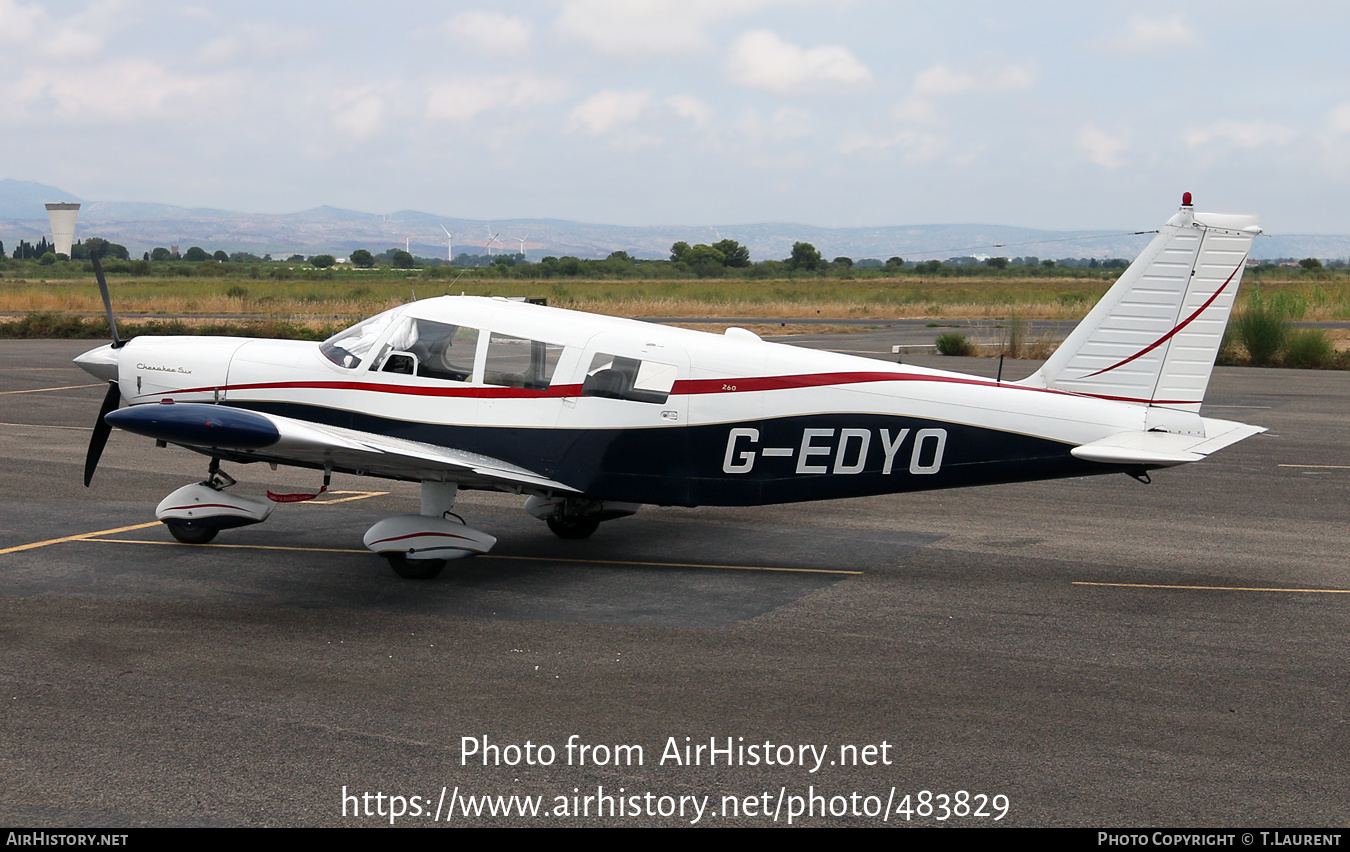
(871, 112)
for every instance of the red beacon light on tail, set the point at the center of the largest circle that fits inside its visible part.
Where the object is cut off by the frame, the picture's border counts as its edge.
(1185, 199)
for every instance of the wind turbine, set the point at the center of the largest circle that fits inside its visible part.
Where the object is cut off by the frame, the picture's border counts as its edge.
(407, 243)
(449, 245)
(492, 238)
(522, 245)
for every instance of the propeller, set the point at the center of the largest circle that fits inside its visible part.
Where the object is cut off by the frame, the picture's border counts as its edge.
(99, 439)
(118, 342)
(102, 429)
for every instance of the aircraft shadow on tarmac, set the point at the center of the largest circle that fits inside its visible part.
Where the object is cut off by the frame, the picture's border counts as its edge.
(635, 572)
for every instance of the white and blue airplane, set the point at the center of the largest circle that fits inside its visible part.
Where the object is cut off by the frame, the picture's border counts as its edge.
(590, 417)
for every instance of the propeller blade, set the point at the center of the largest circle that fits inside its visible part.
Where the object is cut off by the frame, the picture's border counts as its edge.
(102, 430)
(118, 342)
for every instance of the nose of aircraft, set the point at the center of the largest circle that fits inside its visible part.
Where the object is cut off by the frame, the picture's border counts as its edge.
(101, 363)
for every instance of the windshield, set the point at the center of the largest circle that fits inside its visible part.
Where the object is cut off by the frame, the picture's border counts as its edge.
(348, 348)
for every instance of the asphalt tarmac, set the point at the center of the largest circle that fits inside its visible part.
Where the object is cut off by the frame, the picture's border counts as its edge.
(1088, 652)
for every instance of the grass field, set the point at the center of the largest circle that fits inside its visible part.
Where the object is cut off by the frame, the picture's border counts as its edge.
(315, 304)
(341, 297)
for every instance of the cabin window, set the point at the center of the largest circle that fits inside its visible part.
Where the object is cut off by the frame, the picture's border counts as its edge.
(617, 377)
(430, 349)
(516, 362)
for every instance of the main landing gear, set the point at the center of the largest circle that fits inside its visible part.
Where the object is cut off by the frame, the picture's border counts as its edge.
(573, 527)
(575, 518)
(418, 546)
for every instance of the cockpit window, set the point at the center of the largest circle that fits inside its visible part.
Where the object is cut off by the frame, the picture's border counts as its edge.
(349, 348)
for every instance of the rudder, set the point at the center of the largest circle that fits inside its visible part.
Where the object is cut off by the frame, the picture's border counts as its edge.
(1153, 337)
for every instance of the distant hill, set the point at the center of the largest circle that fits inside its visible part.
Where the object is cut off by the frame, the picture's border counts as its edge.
(22, 199)
(141, 226)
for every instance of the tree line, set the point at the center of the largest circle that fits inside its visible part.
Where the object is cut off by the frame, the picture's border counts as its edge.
(725, 258)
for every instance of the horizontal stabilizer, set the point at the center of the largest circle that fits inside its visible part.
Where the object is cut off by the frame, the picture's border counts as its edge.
(1165, 449)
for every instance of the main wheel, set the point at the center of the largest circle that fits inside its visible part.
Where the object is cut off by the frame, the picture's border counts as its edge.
(190, 533)
(574, 528)
(414, 569)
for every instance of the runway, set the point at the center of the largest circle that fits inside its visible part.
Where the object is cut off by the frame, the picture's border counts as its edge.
(1097, 651)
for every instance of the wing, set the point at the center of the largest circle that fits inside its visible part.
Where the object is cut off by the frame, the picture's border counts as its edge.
(242, 435)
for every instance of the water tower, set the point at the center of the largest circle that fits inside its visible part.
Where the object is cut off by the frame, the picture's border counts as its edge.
(62, 216)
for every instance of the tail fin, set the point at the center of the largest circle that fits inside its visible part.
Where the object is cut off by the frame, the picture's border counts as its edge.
(1153, 337)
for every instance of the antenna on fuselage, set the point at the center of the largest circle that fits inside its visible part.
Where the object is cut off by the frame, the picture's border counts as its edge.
(452, 283)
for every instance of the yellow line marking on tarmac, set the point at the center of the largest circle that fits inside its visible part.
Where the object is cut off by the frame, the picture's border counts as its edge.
(490, 556)
(90, 536)
(229, 546)
(64, 387)
(44, 426)
(1322, 466)
(1215, 588)
(80, 537)
(676, 565)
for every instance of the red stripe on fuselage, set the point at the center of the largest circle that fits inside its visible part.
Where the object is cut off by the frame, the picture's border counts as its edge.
(683, 387)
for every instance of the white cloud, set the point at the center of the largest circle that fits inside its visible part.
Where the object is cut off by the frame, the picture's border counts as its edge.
(463, 98)
(125, 91)
(19, 23)
(70, 43)
(255, 42)
(915, 147)
(363, 114)
(911, 110)
(690, 107)
(785, 123)
(624, 29)
(944, 81)
(1147, 35)
(35, 31)
(1102, 148)
(1236, 134)
(607, 111)
(490, 32)
(1338, 120)
(789, 122)
(761, 60)
(200, 13)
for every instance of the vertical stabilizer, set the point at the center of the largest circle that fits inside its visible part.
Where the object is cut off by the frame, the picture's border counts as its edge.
(1153, 337)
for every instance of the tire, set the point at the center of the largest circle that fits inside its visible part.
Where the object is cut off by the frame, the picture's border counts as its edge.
(415, 569)
(190, 533)
(573, 528)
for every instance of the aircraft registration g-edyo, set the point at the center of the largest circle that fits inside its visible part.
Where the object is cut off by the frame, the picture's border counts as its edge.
(589, 417)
